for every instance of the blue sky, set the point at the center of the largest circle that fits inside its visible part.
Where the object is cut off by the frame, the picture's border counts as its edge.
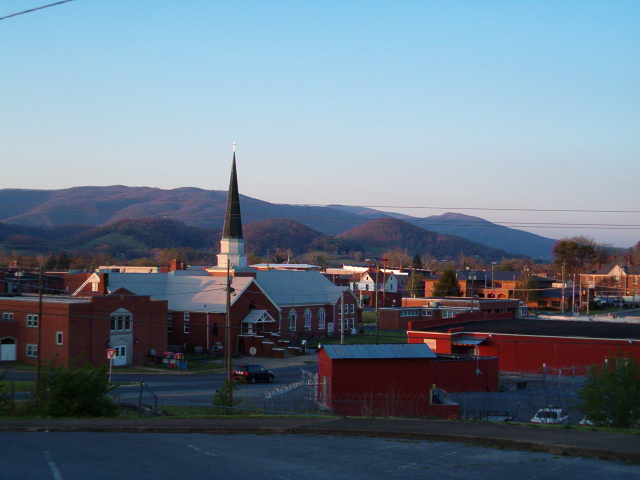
(415, 105)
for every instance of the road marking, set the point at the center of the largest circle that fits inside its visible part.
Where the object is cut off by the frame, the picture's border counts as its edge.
(52, 465)
(202, 451)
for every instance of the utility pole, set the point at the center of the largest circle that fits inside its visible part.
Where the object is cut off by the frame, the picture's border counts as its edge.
(342, 318)
(39, 340)
(377, 288)
(384, 280)
(227, 335)
(563, 285)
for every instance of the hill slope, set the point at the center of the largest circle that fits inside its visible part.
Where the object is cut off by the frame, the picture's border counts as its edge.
(387, 233)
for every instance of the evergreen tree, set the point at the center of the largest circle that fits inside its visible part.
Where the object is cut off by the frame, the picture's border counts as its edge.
(417, 261)
(51, 263)
(448, 285)
(63, 261)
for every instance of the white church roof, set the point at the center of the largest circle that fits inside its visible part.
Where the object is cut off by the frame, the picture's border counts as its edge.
(289, 288)
(186, 291)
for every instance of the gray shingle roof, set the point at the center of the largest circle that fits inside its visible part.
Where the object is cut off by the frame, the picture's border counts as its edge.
(393, 350)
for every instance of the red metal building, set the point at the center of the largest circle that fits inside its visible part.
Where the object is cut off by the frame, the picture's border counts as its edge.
(398, 379)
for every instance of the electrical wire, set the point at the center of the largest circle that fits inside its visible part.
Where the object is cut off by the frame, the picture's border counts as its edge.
(35, 9)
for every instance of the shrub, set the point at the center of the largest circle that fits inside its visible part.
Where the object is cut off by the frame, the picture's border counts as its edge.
(75, 391)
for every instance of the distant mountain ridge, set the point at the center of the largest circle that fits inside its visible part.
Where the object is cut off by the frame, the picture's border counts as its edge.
(91, 205)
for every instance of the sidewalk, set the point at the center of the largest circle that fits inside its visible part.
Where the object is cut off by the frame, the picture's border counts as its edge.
(557, 441)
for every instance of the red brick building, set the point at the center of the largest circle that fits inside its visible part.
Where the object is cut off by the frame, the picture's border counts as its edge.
(73, 326)
(535, 345)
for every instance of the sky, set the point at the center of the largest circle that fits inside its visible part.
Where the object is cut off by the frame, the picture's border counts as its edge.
(526, 114)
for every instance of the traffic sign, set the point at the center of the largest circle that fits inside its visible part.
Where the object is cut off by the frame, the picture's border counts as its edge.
(111, 353)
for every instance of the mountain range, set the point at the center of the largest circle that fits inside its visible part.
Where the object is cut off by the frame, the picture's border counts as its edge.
(93, 206)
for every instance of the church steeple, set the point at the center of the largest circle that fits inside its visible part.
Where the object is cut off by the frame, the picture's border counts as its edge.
(233, 218)
(232, 244)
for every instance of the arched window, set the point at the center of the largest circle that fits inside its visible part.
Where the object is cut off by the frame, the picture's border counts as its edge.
(307, 318)
(293, 316)
(322, 315)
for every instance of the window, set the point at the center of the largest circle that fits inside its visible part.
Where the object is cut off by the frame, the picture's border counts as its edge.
(187, 317)
(555, 303)
(32, 320)
(353, 308)
(346, 308)
(121, 351)
(293, 316)
(353, 323)
(426, 313)
(169, 322)
(7, 316)
(322, 316)
(94, 286)
(410, 313)
(121, 322)
(447, 313)
(59, 338)
(542, 303)
(307, 318)
(185, 329)
(32, 350)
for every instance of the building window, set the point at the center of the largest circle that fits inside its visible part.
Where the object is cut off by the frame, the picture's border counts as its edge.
(187, 317)
(322, 317)
(186, 328)
(410, 313)
(307, 318)
(94, 286)
(121, 322)
(447, 313)
(293, 316)
(32, 350)
(353, 323)
(32, 320)
(121, 351)
(7, 316)
(59, 338)
(169, 322)
(353, 308)
(542, 303)
(426, 313)
(555, 303)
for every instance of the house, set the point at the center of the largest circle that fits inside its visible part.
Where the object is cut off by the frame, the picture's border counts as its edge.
(615, 279)
(534, 346)
(398, 379)
(375, 286)
(132, 325)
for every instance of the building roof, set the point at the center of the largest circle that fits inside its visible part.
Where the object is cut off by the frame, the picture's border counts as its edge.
(186, 291)
(392, 350)
(550, 328)
(288, 288)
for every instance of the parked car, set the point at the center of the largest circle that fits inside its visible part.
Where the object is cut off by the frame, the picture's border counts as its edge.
(551, 415)
(252, 374)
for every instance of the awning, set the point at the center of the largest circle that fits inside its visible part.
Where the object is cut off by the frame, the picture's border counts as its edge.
(258, 316)
(465, 340)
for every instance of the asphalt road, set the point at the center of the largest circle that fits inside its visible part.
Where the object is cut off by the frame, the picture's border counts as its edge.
(196, 389)
(71, 456)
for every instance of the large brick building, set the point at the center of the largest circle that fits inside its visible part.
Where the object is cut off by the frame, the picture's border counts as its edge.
(70, 327)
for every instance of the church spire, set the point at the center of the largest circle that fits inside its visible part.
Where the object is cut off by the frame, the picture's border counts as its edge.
(233, 217)
(232, 244)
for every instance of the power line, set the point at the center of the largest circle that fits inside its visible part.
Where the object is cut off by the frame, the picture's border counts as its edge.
(35, 9)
